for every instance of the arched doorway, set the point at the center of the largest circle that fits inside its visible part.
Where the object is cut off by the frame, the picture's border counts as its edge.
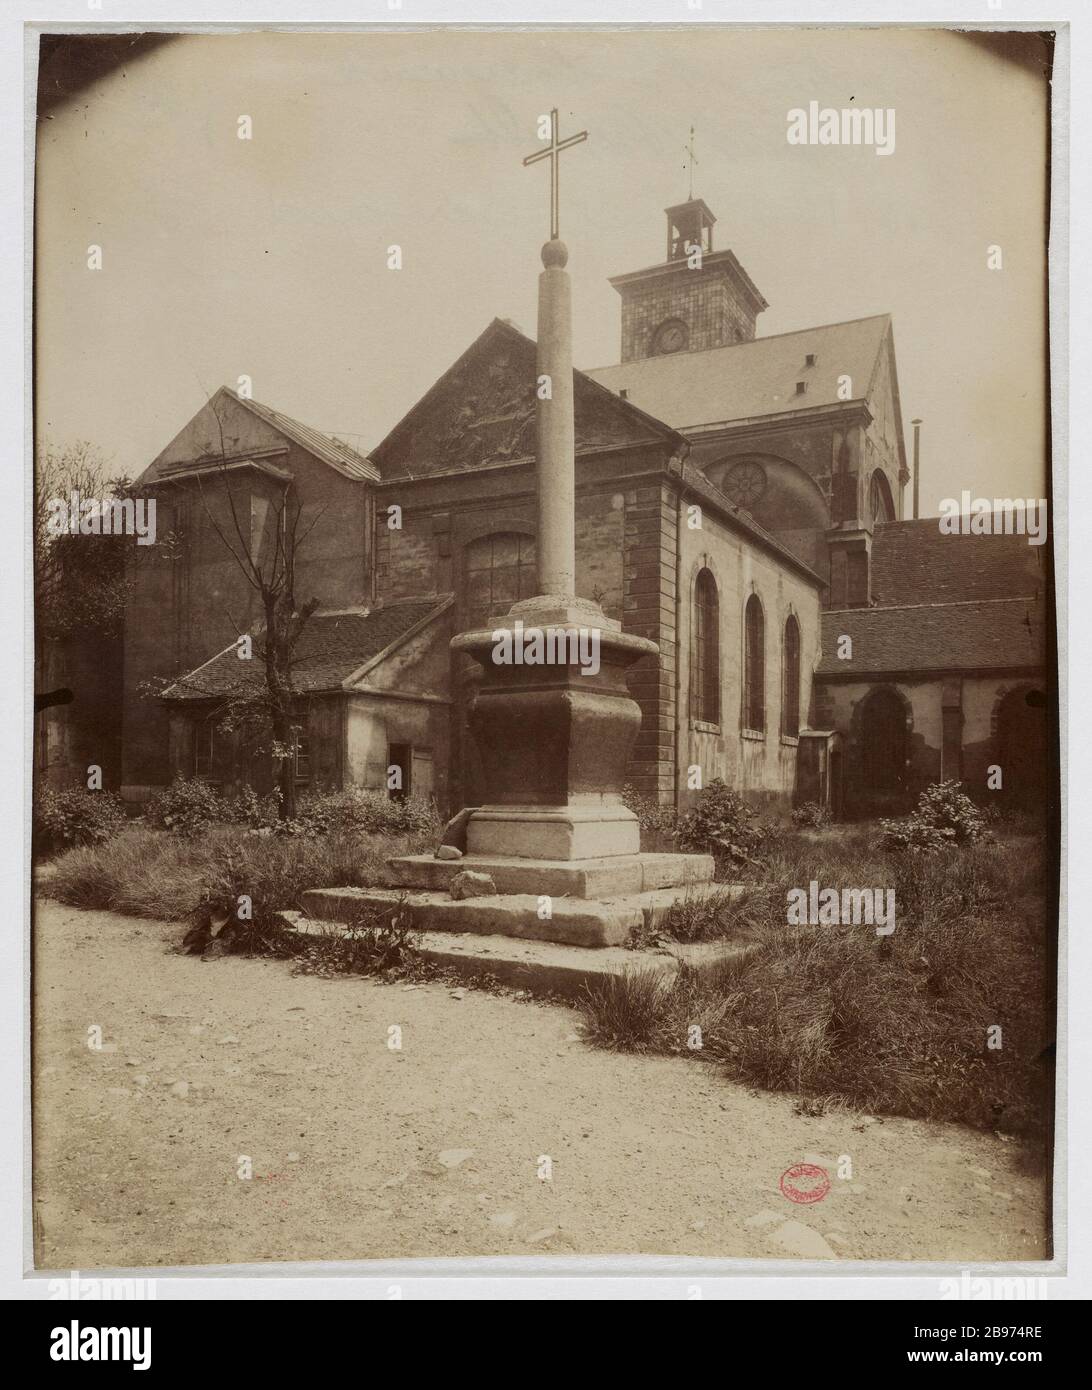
(1022, 746)
(883, 745)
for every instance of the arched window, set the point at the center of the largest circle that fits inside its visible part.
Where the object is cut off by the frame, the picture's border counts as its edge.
(705, 651)
(880, 502)
(754, 666)
(500, 570)
(790, 678)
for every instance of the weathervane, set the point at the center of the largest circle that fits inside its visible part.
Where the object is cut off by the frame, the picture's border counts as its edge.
(553, 153)
(693, 160)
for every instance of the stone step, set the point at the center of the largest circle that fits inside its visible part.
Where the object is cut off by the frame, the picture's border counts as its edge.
(615, 876)
(543, 967)
(574, 921)
(656, 904)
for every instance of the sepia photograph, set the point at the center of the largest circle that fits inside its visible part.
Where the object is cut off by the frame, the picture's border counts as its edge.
(546, 711)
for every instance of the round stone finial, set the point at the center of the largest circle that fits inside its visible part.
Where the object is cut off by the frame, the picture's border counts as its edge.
(555, 252)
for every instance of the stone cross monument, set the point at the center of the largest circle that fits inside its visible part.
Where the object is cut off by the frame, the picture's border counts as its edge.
(553, 856)
(554, 720)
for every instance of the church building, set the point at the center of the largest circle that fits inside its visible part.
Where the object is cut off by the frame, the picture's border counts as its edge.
(740, 501)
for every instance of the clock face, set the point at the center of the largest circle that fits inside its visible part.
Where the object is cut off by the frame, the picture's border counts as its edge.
(671, 337)
(745, 483)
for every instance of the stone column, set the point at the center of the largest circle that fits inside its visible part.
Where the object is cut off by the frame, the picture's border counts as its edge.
(554, 429)
(554, 737)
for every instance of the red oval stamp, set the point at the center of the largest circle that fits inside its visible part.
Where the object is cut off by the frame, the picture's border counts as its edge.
(804, 1183)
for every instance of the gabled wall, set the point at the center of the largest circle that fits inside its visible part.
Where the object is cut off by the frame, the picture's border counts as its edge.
(191, 600)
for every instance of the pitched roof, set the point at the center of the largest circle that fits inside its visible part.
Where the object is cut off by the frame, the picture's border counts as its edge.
(747, 380)
(324, 446)
(333, 646)
(915, 558)
(481, 412)
(983, 634)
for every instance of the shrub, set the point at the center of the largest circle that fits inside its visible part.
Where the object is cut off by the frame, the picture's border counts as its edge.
(359, 812)
(186, 807)
(189, 806)
(257, 812)
(653, 817)
(811, 815)
(945, 804)
(912, 833)
(945, 815)
(721, 823)
(75, 816)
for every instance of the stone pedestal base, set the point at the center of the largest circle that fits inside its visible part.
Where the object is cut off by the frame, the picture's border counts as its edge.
(554, 724)
(619, 875)
(564, 832)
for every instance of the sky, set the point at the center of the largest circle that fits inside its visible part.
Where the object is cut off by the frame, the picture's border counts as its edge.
(267, 257)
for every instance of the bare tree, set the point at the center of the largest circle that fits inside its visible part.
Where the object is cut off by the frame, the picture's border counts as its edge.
(267, 561)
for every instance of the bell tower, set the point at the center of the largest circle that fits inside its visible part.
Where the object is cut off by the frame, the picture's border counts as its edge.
(688, 225)
(697, 299)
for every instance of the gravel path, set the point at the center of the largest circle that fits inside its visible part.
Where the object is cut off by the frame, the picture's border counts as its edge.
(360, 1151)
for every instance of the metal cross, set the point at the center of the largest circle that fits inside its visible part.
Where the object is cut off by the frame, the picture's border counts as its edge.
(693, 160)
(552, 153)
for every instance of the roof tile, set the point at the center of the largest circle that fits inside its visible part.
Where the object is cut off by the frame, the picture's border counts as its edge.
(332, 647)
(916, 558)
(984, 634)
(756, 378)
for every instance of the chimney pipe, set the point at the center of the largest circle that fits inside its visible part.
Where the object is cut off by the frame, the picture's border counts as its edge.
(917, 465)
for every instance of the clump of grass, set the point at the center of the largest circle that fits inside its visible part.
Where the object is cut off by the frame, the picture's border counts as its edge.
(890, 1025)
(625, 1011)
(141, 871)
(149, 873)
(706, 917)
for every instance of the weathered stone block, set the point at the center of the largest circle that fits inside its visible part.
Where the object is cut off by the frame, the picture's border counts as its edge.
(468, 884)
(578, 923)
(455, 830)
